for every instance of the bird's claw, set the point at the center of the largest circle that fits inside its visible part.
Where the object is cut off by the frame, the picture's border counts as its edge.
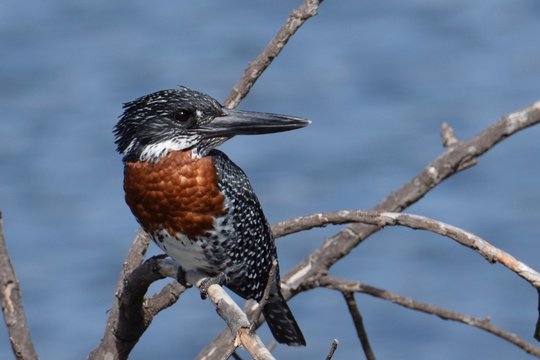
(219, 279)
(181, 278)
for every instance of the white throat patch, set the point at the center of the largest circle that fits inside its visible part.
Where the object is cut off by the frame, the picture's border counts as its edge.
(154, 152)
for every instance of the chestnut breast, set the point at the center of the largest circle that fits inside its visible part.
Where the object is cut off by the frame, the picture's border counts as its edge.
(178, 194)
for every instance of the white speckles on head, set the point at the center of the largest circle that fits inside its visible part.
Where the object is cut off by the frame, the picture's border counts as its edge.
(131, 145)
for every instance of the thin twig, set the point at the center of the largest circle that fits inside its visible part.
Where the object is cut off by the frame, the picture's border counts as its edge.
(271, 280)
(12, 306)
(484, 324)
(382, 219)
(447, 135)
(358, 324)
(255, 69)
(537, 328)
(333, 348)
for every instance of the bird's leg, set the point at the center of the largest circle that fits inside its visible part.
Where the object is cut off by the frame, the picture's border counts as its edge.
(181, 277)
(220, 279)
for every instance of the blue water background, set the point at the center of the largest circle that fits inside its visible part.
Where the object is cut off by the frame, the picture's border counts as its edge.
(377, 78)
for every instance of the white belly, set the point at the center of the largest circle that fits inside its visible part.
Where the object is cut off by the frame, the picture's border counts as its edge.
(187, 253)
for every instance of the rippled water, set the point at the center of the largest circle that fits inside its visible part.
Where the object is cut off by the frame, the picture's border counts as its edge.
(376, 78)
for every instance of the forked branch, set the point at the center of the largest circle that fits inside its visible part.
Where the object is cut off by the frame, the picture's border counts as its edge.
(484, 324)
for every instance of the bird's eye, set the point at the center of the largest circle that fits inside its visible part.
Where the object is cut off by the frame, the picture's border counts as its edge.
(182, 115)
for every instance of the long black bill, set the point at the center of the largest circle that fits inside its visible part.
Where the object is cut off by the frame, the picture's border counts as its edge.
(236, 122)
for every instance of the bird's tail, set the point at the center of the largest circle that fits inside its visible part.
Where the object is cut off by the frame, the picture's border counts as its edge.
(281, 321)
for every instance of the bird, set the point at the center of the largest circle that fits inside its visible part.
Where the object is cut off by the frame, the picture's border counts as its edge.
(195, 203)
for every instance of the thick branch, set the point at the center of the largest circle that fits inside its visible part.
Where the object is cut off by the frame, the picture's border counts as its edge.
(12, 307)
(131, 314)
(296, 19)
(484, 324)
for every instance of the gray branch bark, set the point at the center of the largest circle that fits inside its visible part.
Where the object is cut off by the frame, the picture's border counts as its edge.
(12, 307)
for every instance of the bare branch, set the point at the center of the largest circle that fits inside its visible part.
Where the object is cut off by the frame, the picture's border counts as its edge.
(333, 349)
(537, 328)
(359, 324)
(127, 318)
(12, 307)
(447, 164)
(229, 311)
(235, 318)
(296, 19)
(449, 139)
(382, 219)
(166, 297)
(444, 166)
(484, 324)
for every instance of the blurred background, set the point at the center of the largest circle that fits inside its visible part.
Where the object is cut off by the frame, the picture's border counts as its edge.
(377, 78)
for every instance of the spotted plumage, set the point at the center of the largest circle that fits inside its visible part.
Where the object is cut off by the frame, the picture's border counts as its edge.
(196, 204)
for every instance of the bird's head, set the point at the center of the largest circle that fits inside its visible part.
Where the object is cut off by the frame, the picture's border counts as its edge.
(184, 119)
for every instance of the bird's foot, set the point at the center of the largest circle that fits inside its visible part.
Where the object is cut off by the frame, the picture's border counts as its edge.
(219, 279)
(181, 277)
(154, 262)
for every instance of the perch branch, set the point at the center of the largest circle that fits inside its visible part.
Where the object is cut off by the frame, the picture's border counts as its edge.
(484, 324)
(12, 307)
(295, 20)
(235, 318)
(229, 311)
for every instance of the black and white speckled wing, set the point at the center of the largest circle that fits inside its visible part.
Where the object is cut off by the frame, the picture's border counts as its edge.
(251, 249)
